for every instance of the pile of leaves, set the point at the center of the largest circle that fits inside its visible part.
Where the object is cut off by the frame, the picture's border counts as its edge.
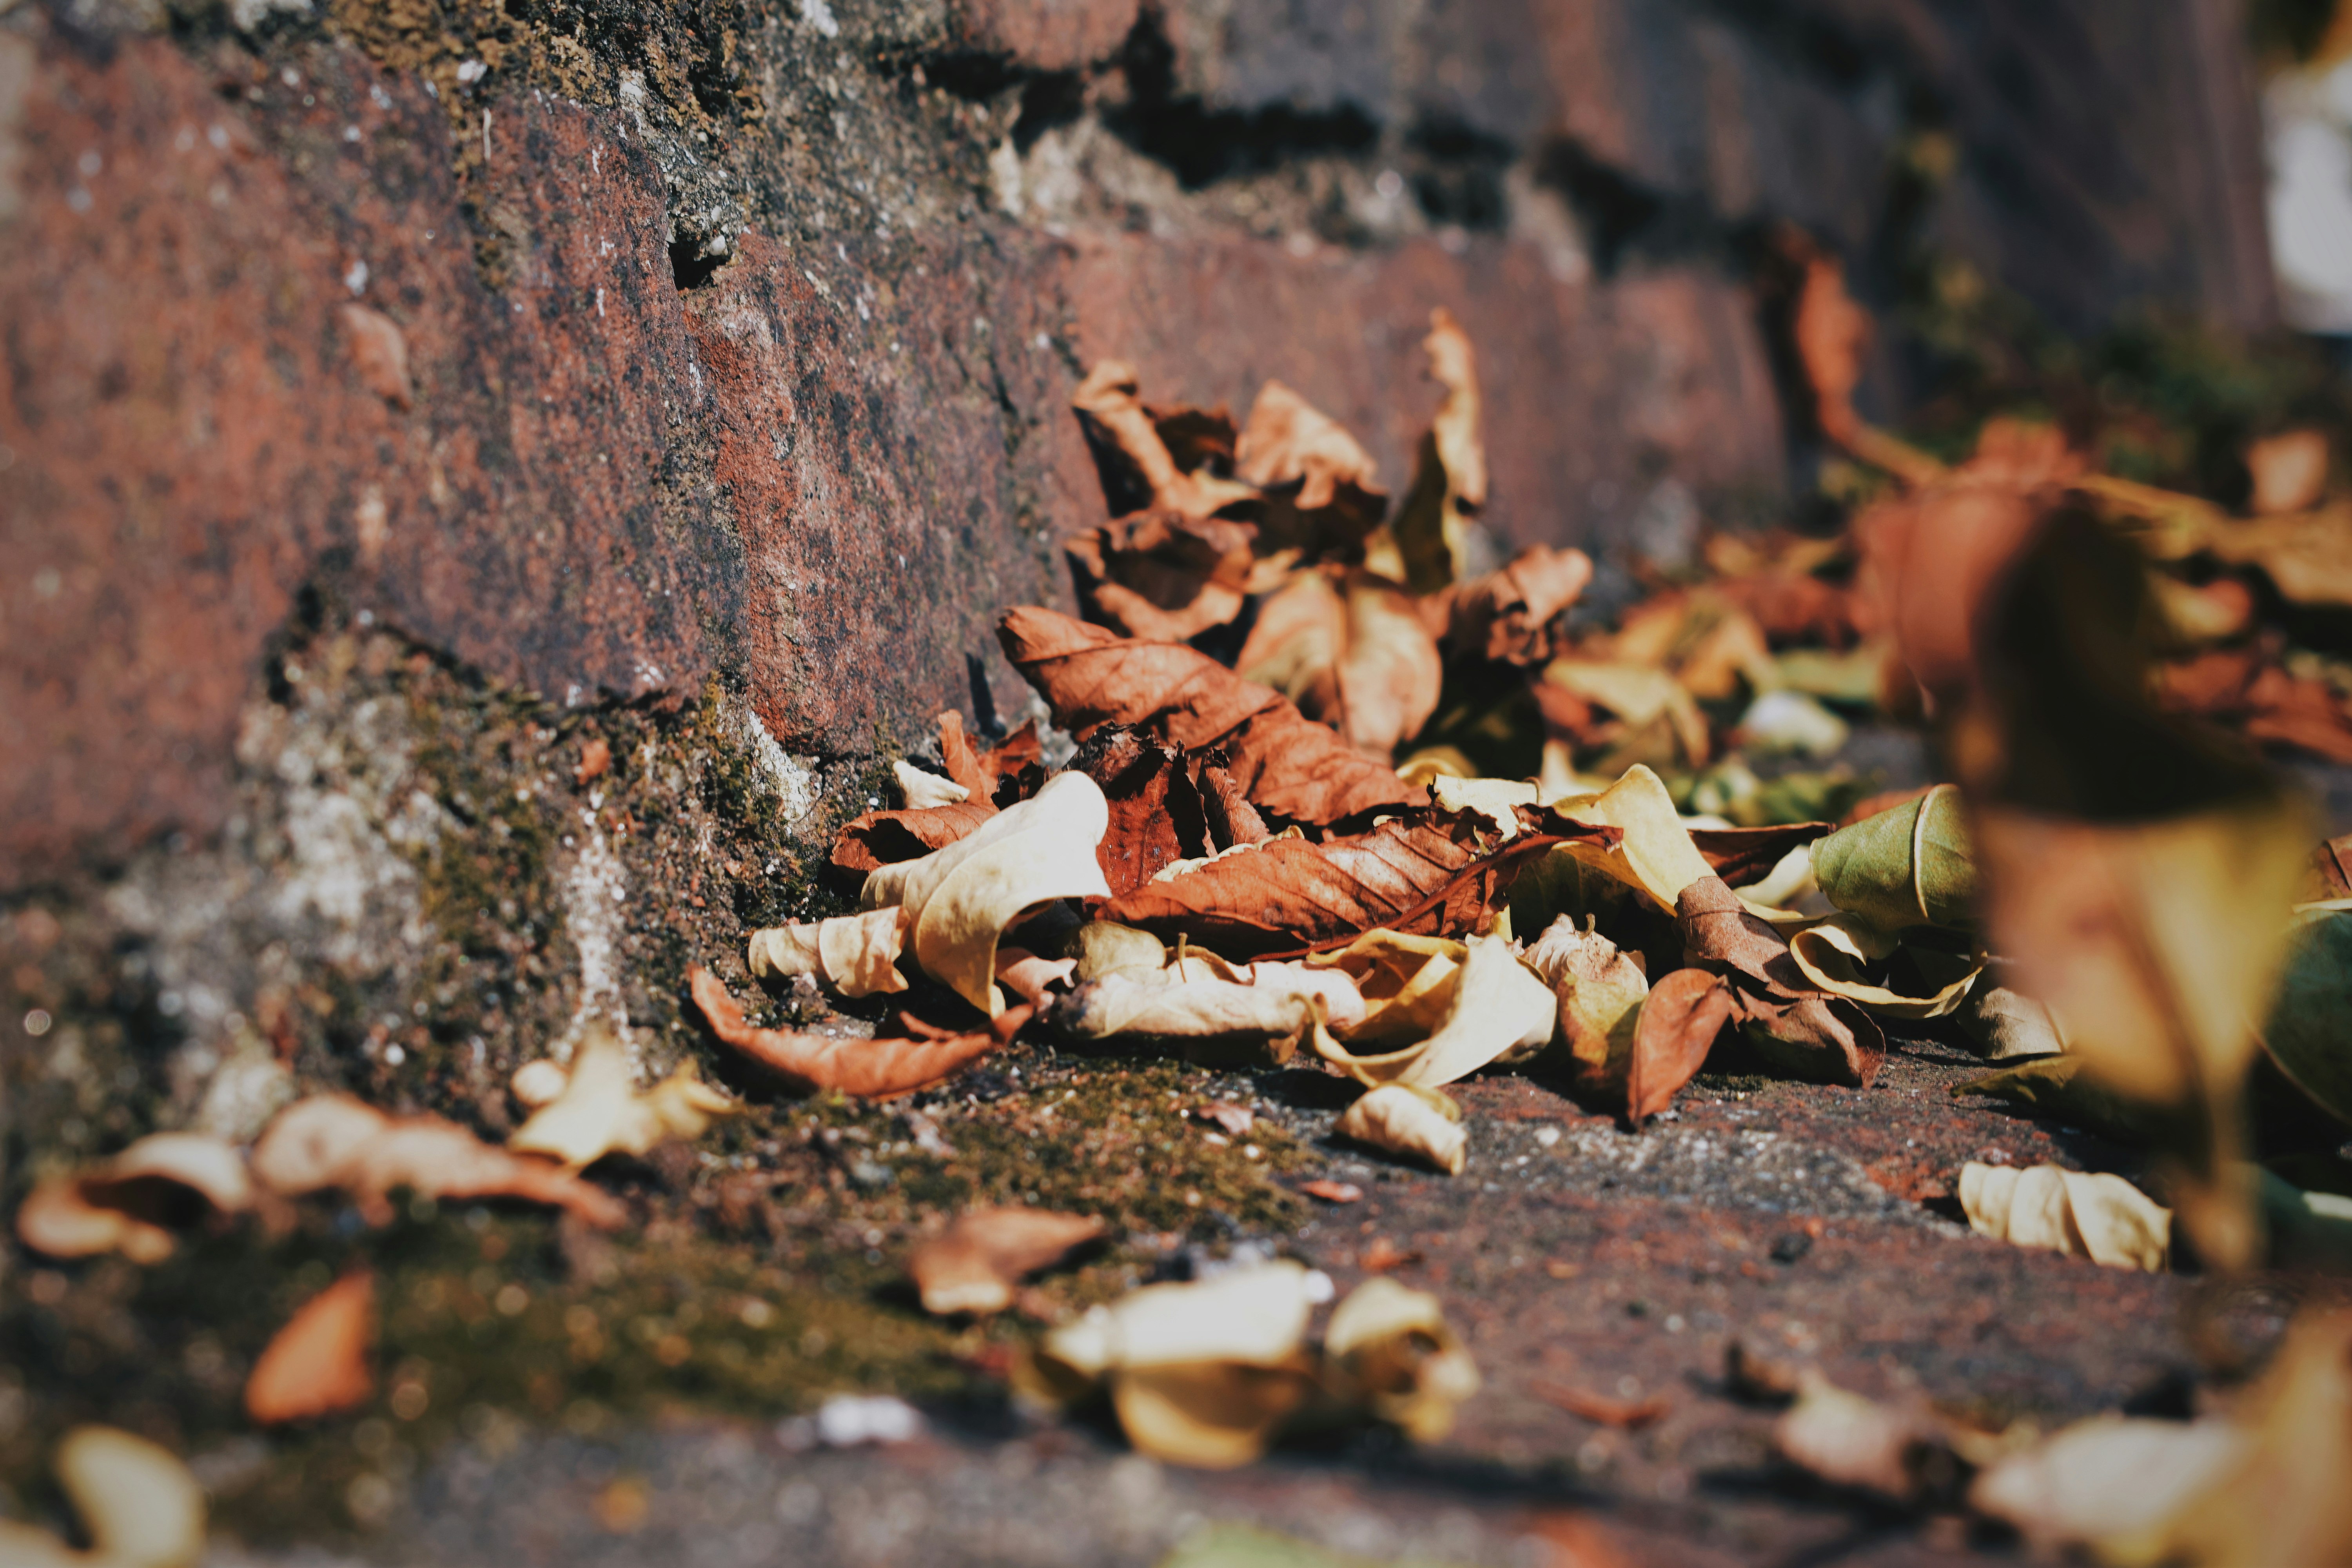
(1339, 788)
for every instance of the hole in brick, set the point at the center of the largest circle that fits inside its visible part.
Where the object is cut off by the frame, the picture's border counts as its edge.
(690, 265)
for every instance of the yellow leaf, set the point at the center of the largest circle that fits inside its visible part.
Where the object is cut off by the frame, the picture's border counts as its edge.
(1835, 953)
(2099, 1216)
(2107, 1478)
(1405, 1363)
(139, 1504)
(856, 954)
(925, 790)
(1655, 856)
(959, 899)
(1403, 1119)
(1500, 1012)
(599, 1112)
(125, 1203)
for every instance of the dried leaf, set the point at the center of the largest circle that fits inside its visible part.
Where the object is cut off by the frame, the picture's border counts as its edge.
(1287, 441)
(2289, 470)
(1851, 958)
(1508, 615)
(1403, 1119)
(1351, 650)
(2283, 1501)
(1157, 814)
(133, 1202)
(858, 955)
(2101, 1217)
(1498, 1012)
(959, 899)
(137, 1502)
(1449, 485)
(1795, 1031)
(1852, 1441)
(1285, 763)
(2109, 1478)
(1394, 1354)
(1742, 856)
(1253, 1020)
(2307, 1034)
(1030, 977)
(1163, 576)
(1625, 1048)
(1672, 1035)
(1655, 855)
(1110, 404)
(2002, 1023)
(600, 1111)
(1911, 866)
(867, 1070)
(882, 838)
(1422, 873)
(1641, 696)
(333, 1140)
(926, 791)
(1200, 1375)
(318, 1364)
(1497, 800)
(987, 1251)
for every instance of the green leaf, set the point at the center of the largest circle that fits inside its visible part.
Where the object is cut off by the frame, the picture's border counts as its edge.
(1911, 866)
(2310, 1033)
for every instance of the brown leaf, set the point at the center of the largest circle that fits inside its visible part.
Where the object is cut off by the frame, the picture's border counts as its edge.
(961, 762)
(335, 1141)
(1163, 576)
(318, 1364)
(1508, 615)
(1673, 1033)
(1832, 334)
(1333, 1192)
(1287, 441)
(987, 1251)
(882, 838)
(1796, 1031)
(1350, 649)
(1449, 482)
(1156, 815)
(1745, 854)
(1231, 819)
(1427, 874)
(1286, 763)
(1128, 440)
(866, 1069)
(2246, 689)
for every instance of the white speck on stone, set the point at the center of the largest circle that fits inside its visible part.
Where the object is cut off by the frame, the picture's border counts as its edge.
(795, 781)
(355, 278)
(853, 1420)
(594, 889)
(819, 15)
(471, 71)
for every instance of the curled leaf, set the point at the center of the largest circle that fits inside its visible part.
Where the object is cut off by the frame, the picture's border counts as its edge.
(1643, 699)
(1110, 403)
(926, 791)
(600, 1111)
(1851, 1440)
(1287, 441)
(1849, 958)
(137, 1502)
(1911, 866)
(1498, 1011)
(1433, 523)
(1163, 576)
(1744, 857)
(959, 899)
(1508, 615)
(318, 1364)
(1630, 1046)
(2101, 1217)
(987, 1251)
(858, 955)
(1351, 650)
(1673, 1033)
(331, 1141)
(1425, 872)
(1261, 1008)
(1158, 815)
(1200, 1375)
(2307, 1035)
(1794, 1030)
(1403, 1361)
(1284, 763)
(1404, 1119)
(867, 1070)
(1497, 800)
(885, 837)
(1654, 854)
(2109, 1478)
(133, 1202)
(2005, 1025)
